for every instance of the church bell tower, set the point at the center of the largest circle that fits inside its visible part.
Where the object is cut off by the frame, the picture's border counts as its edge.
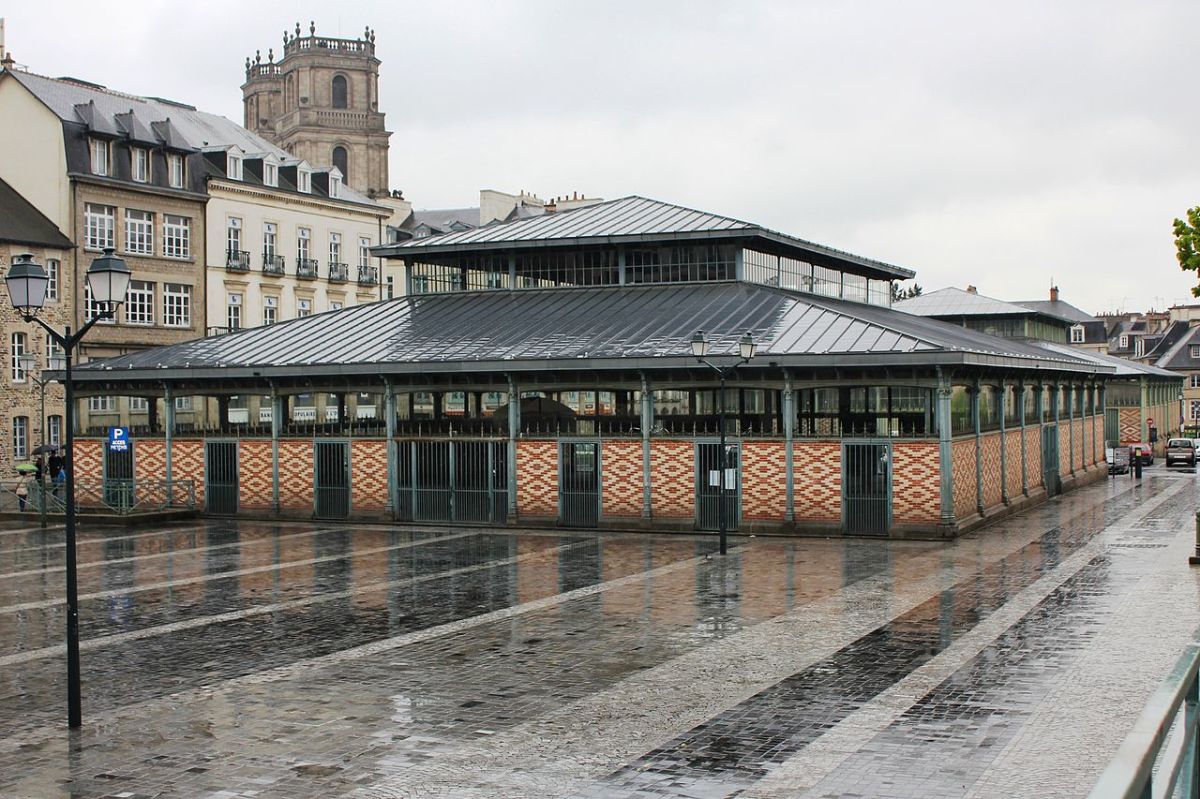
(320, 102)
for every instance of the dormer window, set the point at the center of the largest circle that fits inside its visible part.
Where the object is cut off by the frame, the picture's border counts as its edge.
(270, 174)
(1077, 334)
(175, 166)
(1139, 348)
(99, 152)
(1123, 342)
(1194, 350)
(304, 181)
(233, 168)
(335, 185)
(140, 164)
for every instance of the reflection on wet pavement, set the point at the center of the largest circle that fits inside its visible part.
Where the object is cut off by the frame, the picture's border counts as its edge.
(258, 659)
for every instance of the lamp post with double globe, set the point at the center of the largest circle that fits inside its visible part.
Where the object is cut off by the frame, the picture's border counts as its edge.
(746, 350)
(108, 280)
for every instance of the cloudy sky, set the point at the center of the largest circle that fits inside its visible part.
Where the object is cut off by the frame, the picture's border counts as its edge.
(1004, 145)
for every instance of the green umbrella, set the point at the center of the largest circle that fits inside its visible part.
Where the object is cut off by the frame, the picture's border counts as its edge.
(26, 468)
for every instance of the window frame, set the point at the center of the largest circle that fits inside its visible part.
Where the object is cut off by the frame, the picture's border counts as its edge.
(270, 174)
(176, 170)
(20, 437)
(97, 221)
(177, 237)
(18, 345)
(139, 164)
(100, 150)
(53, 278)
(233, 311)
(139, 303)
(270, 310)
(304, 181)
(177, 303)
(143, 233)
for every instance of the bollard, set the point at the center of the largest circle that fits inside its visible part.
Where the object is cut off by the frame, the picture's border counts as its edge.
(1194, 560)
(1137, 468)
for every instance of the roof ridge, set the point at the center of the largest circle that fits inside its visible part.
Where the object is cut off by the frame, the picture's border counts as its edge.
(82, 84)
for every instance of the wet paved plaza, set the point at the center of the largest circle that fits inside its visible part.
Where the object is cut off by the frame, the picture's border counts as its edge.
(250, 659)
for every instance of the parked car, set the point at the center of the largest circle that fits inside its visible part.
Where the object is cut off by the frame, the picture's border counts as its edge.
(1117, 459)
(1181, 452)
(1142, 453)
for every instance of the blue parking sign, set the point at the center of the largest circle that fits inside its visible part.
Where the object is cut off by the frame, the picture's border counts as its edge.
(118, 439)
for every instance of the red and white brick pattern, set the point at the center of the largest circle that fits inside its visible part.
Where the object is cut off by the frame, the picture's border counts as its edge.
(149, 460)
(89, 459)
(672, 480)
(1130, 424)
(621, 462)
(1012, 463)
(1064, 448)
(817, 472)
(254, 474)
(764, 481)
(296, 475)
(989, 452)
(187, 463)
(537, 479)
(1033, 456)
(916, 483)
(962, 453)
(368, 476)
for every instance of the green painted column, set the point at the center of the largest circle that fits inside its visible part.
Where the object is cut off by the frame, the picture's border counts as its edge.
(647, 416)
(277, 405)
(168, 437)
(945, 458)
(1071, 428)
(978, 448)
(1024, 454)
(389, 410)
(514, 430)
(789, 436)
(1003, 442)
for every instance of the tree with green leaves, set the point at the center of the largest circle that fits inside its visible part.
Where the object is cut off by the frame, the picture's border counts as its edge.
(1187, 244)
(906, 293)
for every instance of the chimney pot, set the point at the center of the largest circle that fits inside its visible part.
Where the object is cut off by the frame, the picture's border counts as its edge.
(1054, 294)
(972, 290)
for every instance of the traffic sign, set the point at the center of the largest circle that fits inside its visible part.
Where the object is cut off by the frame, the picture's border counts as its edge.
(118, 439)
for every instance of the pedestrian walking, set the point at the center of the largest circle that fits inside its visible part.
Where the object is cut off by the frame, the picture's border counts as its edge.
(22, 494)
(60, 480)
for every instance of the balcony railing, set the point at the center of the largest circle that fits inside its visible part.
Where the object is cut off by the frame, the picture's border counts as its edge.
(306, 268)
(368, 276)
(237, 261)
(338, 273)
(272, 264)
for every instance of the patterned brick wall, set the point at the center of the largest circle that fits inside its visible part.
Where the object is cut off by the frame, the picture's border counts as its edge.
(1080, 445)
(254, 474)
(149, 459)
(1033, 456)
(764, 481)
(621, 464)
(1012, 463)
(962, 453)
(296, 476)
(368, 476)
(1064, 448)
(672, 480)
(817, 473)
(89, 459)
(916, 483)
(1098, 441)
(537, 478)
(1130, 425)
(187, 463)
(989, 447)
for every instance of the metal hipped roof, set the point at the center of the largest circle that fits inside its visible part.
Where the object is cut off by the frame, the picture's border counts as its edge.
(578, 328)
(953, 301)
(625, 220)
(1123, 367)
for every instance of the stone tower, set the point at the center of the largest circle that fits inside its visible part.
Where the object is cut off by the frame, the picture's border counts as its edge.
(320, 101)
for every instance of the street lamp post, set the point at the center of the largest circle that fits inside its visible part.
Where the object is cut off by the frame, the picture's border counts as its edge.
(28, 363)
(108, 279)
(746, 350)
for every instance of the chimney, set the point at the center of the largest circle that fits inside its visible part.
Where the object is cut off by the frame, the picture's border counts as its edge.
(972, 290)
(1054, 294)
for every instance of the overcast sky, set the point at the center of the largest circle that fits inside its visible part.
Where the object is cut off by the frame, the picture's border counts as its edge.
(997, 144)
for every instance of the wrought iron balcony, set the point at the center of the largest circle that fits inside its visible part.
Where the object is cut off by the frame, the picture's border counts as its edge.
(306, 268)
(338, 273)
(368, 276)
(237, 261)
(272, 264)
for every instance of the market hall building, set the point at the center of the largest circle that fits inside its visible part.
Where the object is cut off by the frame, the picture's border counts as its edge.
(540, 372)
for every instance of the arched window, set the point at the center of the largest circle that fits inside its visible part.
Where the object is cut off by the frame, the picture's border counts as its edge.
(341, 161)
(339, 92)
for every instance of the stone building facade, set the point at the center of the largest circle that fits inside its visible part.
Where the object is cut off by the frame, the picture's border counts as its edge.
(320, 101)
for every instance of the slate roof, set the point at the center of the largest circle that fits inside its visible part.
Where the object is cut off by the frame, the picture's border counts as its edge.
(953, 301)
(21, 223)
(626, 220)
(609, 327)
(1123, 366)
(1058, 309)
(1179, 356)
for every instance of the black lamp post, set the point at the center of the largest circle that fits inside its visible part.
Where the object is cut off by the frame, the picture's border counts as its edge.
(108, 279)
(746, 350)
(28, 363)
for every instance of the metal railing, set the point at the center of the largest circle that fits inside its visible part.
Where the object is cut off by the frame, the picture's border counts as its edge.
(1161, 756)
(98, 495)
(273, 264)
(306, 268)
(368, 276)
(237, 261)
(338, 272)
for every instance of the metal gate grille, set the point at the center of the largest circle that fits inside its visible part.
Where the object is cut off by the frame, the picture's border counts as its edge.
(221, 477)
(866, 488)
(452, 481)
(1050, 475)
(118, 478)
(708, 486)
(579, 483)
(332, 474)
